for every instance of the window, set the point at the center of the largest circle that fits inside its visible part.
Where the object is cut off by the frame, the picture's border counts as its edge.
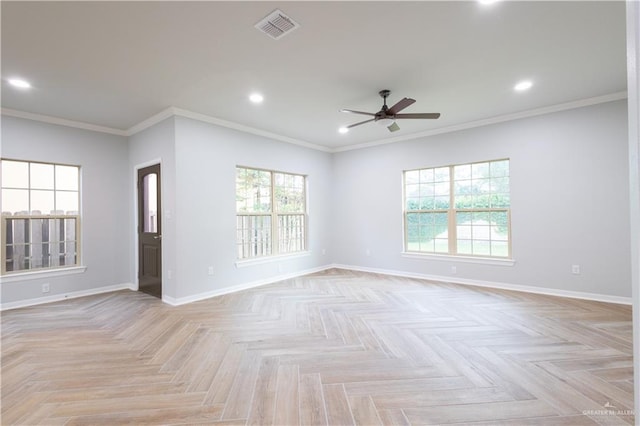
(458, 210)
(40, 216)
(271, 213)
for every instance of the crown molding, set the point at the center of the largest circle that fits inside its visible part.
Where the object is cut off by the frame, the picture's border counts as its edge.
(493, 120)
(236, 126)
(62, 122)
(178, 112)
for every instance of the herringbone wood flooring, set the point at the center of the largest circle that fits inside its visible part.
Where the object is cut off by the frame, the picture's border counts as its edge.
(335, 348)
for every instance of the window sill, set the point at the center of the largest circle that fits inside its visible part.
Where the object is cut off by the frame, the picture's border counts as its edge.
(462, 259)
(47, 273)
(270, 259)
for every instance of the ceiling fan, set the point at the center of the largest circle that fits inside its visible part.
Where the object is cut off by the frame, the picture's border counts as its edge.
(387, 116)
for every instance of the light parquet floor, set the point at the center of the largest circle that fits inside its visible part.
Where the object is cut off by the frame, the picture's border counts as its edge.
(335, 348)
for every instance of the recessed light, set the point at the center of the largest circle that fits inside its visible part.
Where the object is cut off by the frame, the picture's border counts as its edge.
(522, 86)
(343, 130)
(17, 82)
(487, 2)
(256, 98)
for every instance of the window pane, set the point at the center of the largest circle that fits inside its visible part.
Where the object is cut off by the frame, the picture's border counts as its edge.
(41, 176)
(254, 236)
(150, 203)
(479, 170)
(428, 203)
(412, 190)
(15, 201)
(42, 202)
(462, 172)
(412, 176)
(481, 247)
(291, 232)
(484, 233)
(253, 190)
(67, 178)
(441, 202)
(289, 193)
(500, 248)
(441, 245)
(464, 247)
(67, 202)
(499, 168)
(15, 174)
(426, 175)
(427, 232)
(441, 174)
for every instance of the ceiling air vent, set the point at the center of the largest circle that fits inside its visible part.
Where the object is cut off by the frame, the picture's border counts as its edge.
(277, 24)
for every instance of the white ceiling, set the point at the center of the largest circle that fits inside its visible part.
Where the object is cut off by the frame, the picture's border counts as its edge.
(116, 64)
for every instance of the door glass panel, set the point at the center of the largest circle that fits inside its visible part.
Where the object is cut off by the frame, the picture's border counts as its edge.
(150, 203)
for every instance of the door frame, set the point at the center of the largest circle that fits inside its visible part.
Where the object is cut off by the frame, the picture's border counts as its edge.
(136, 222)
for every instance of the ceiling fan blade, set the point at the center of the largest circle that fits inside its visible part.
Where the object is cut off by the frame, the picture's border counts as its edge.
(362, 122)
(357, 112)
(431, 115)
(400, 105)
(394, 127)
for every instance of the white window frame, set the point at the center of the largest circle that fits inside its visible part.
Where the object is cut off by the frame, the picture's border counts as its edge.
(274, 244)
(29, 217)
(452, 226)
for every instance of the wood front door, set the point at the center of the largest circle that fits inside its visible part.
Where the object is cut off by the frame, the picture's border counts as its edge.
(149, 231)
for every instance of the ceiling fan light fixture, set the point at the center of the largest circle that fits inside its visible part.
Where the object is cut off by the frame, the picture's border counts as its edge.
(385, 122)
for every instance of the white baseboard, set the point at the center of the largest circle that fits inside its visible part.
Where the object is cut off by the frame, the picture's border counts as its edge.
(498, 285)
(246, 286)
(65, 296)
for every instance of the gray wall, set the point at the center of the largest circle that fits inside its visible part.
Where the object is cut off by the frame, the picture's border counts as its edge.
(152, 146)
(570, 202)
(570, 205)
(206, 158)
(105, 238)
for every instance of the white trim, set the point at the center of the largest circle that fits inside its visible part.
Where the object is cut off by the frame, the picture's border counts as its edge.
(62, 122)
(492, 284)
(246, 129)
(240, 287)
(151, 121)
(64, 296)
(493, 120)
(270, 259)
(45, 273)
(461, 259)
(173, 111)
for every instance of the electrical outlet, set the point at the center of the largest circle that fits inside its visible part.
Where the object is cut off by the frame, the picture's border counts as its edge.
(169, 274)
(324, 251)
(210, 270)
(575, 269)
(454, 270)
(45, 288)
